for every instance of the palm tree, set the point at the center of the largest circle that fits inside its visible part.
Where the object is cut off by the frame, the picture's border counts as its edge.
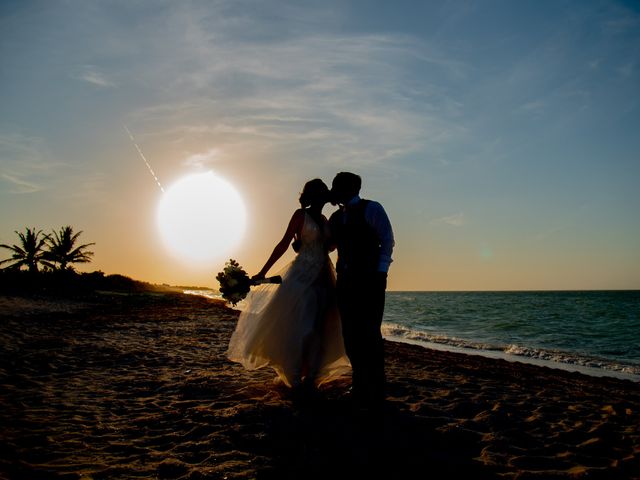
(63, 250)
(29, 252)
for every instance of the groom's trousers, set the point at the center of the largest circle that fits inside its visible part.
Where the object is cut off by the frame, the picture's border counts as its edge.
(361, 304)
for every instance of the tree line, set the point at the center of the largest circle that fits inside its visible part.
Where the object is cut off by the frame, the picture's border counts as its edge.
(43, 264)
(55, 251)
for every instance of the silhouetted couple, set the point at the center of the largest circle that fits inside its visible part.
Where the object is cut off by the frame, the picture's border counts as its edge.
(316, 324)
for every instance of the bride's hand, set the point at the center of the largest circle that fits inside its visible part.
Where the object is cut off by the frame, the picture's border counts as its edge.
(259, 276)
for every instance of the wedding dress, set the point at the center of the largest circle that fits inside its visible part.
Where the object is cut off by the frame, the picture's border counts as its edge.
(295, 327)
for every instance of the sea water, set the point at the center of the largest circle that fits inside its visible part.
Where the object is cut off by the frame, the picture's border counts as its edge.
(596, 332)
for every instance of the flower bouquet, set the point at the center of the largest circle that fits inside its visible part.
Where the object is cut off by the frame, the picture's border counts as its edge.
(235, 283)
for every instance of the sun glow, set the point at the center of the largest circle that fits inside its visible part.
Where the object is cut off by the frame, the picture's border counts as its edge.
(201, 217)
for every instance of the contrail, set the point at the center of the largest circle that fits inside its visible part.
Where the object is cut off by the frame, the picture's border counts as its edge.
(144, 158)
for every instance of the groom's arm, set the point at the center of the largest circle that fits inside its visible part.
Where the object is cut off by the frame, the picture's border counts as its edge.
(376, 216)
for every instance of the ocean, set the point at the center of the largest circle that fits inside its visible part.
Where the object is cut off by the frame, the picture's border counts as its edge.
(595, 332)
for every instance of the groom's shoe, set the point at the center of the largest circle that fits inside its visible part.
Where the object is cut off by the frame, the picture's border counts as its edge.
(368, 402)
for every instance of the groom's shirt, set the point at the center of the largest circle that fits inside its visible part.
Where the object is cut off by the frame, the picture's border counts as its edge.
(376, 218)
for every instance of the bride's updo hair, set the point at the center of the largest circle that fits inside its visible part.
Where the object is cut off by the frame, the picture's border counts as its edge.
(314, 191)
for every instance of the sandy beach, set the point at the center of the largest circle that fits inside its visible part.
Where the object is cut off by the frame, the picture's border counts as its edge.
(138, 386)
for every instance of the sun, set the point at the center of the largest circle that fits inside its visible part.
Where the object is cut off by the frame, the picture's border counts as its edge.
(201, 217)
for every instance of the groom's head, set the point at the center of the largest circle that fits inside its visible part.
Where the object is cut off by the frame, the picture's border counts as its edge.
(345, 186)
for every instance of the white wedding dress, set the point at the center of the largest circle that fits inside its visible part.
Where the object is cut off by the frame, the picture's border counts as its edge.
(295, 327)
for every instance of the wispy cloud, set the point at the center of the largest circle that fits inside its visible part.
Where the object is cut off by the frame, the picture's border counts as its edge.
(338, 98)
(533, 107)
(95, 77)
(19, 185)
(621, 24)
(26, 167)
(22, 163)
(204, 159)
(550, 232)
(455, 220)
(595, 63)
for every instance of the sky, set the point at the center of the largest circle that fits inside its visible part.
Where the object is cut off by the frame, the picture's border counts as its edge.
(501, 137)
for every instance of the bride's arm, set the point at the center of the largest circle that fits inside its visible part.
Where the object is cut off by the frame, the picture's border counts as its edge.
(293, 229)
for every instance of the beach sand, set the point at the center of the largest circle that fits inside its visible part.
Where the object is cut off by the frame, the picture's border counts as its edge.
(138, 386)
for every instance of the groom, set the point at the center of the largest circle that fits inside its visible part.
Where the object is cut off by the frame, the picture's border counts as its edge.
(361, 231)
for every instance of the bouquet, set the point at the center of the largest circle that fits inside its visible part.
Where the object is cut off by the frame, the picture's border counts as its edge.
(235, 283)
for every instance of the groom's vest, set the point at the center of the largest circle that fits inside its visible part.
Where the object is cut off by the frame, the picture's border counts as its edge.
(357, 241)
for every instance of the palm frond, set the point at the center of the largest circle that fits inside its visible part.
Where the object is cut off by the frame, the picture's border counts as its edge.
(63, 250)
(29, 250)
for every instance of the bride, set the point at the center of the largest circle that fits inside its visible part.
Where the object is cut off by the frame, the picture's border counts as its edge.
(295, 327)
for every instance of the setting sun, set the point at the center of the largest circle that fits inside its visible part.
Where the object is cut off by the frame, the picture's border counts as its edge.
(201, 217)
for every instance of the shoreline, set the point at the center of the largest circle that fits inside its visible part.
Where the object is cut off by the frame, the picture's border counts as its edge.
(501, 355)
(138, 385)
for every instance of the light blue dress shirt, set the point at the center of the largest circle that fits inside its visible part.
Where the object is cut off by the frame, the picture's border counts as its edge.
(377, 218)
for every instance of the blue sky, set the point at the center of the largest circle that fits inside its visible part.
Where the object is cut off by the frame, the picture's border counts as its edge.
(500, 136)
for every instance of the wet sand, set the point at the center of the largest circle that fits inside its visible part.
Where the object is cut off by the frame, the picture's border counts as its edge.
(138, 386)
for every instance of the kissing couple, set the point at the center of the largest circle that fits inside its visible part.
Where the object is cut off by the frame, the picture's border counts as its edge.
(320, 321)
